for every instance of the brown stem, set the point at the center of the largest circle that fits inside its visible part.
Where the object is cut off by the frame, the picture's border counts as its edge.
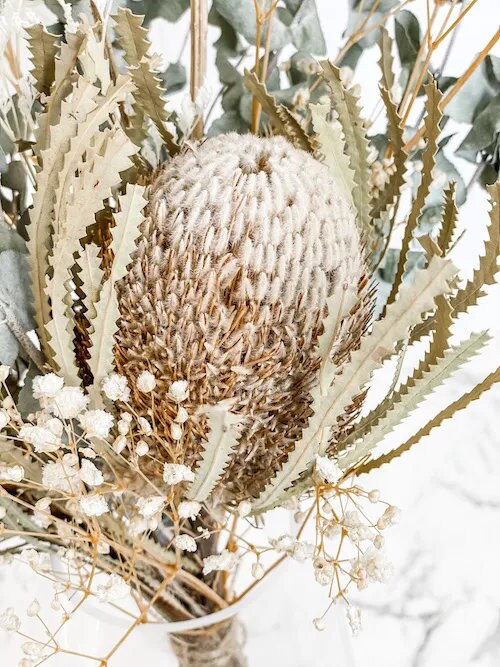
(458, 85)
(219, 645)
(199, 29)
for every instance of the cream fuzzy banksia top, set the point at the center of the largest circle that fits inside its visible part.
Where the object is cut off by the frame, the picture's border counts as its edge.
(244, 240)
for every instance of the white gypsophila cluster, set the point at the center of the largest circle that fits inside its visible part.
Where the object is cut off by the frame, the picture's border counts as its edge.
(96, 423)
(150, 506)
(189, 509)
(93, 505)
(294, 548)
(115, 387)
(146, 382)
(45, 438)
(226, 561)
(175, 473)
(62, 475)
(179, 390)
(11, 473)
(328, 469)
(185, 543)
(111, 587)
(47, 386)
(4, 419)
(38, 561)
(68, 403)
(90, 474)
(10, 621)
(370, 566)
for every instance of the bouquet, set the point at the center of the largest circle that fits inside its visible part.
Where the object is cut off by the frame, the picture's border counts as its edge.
(191, 318)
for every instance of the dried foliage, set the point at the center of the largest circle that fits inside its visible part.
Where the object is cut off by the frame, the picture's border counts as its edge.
(205, 316)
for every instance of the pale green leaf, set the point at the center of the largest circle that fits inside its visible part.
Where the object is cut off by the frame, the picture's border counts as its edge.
(331, 146)
(374, 348)
(222, 439)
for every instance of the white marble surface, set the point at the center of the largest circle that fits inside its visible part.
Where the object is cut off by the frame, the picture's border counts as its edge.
(442, 608)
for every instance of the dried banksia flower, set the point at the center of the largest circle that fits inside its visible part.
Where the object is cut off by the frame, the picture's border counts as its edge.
(244, 241)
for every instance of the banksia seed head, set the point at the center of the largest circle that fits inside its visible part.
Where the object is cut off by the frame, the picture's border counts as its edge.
(244, 241)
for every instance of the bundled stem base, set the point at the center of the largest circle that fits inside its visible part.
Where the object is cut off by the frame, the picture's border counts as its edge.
(219, 645)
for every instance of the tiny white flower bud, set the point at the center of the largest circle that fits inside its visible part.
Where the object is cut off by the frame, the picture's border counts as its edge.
(142, 448)
(182, 415)
(319, 624)
(257, 570)
(146, 382)
(244, 508)
(175, 431)
(179, 390)
(33, 608)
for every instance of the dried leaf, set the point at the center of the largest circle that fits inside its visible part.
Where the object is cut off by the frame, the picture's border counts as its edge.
(449, 219)
(223, 437)
(448, 412)
(64, 78)
(331, 147)
(432, 128)
(91, 276)
(413, 301)
(405, 401)
(96, 177)
(349, 114)
(43, 48)
(148, 97)
(81, 103)
(81, 118)
(386, 61)
(132, 37)
(393, 187)
(488, 262)
(281, 117)
(125, 234)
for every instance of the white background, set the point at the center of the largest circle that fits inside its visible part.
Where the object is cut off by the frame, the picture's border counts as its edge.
(442, 608)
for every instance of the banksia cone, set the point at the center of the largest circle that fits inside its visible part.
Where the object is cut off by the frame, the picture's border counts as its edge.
(244, 241)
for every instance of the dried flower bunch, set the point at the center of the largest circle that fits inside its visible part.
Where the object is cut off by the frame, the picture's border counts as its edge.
(205, 336)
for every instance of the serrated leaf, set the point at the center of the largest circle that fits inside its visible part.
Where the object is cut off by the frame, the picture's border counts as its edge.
(406, 401)
(374, 348)
(485, 274)
(96, 177)
(386, 61)
(132, 37)
(488, 262)
(396, 180)
(448, 219)
(64, 78)
(448, 412)
(280, 117)
(222, 439)
(81, 118)
(91, 276)
(43, 48)
(432, 129)
(125, 234)
(437, 348)
(331, 147)
(148, 97)
(349, 114)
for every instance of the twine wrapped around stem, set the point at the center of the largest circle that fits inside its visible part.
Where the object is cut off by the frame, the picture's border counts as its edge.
(218, 645)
